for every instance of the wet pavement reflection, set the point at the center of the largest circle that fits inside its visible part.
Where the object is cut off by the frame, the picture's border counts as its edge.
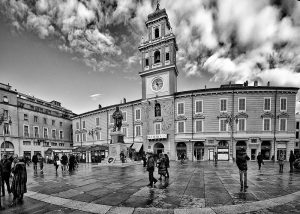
(191, 185)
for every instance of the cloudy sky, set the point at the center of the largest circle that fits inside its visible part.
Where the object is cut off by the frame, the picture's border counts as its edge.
(84, 52)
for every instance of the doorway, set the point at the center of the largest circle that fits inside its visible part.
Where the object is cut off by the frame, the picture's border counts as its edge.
(181, 148)
(266, 150)
(211, 154)
(199, 151)
(158, 148)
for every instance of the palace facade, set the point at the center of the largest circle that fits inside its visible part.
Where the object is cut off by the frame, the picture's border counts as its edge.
(197, 123)
(30, 125)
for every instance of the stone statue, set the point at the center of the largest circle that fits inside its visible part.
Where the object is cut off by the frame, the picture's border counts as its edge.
(118, 117)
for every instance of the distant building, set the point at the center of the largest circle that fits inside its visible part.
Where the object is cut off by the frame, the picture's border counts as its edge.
(31, 125)
(197, 123)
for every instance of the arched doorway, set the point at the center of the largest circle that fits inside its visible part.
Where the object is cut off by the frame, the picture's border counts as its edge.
(8, 148)
(181, 148)
(240, 145)
(266, 150)
(158, 148)
(223, 150)
(199, 150)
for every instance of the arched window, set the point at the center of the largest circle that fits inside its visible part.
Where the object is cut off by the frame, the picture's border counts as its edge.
(157, 110)
(156, 56)
(156, 33)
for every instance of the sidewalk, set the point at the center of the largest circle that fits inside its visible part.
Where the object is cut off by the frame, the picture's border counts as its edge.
(193, 188)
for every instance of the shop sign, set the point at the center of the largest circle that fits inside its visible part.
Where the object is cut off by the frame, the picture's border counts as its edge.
(156, 136)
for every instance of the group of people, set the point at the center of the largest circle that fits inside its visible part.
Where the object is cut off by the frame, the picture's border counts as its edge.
(66, 163)
(242, 158)
(162, 163)
(13, 168)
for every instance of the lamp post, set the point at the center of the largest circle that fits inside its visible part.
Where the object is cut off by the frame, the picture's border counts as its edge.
(230, 120)
(3, 118)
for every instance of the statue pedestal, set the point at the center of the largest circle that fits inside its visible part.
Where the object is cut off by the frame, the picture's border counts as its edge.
(117, 146)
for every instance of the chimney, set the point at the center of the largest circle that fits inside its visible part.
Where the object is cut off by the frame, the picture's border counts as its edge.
(268, 83)
(124, 100)
(255, 83)
(99, 106)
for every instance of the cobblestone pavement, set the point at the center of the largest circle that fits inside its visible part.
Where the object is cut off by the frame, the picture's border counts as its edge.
(192, 188)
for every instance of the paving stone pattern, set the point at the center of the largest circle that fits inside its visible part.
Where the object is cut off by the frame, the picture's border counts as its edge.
(198, 187)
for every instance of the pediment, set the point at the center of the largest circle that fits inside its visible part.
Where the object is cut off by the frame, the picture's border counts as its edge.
(181, 117)
(283, 115)
(158, 119)
(223, 115)
(267, 114)
(138, 122)
(241, 115)
(199, 116)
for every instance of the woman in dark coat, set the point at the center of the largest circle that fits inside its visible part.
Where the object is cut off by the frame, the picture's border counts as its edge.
(161, 164)
(18, 186)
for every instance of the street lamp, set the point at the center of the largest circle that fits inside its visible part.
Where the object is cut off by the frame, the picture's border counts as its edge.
(230, 120)
(3, 118)
(93, 132)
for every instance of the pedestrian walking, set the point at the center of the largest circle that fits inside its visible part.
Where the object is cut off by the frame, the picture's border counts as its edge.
(161, 165)
(35, 160)
(41, 162)
(259, 160)
(167, 165)
(150, 169)
(292, 160)
(182, 157)
(64, 162)
(56, 162)
(216, 158)
(241, 161)
(72, 161)
(281, 161)
(6, 170)
(19, 181)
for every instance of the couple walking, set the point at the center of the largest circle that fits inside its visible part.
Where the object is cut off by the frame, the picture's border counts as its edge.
(163, 163)
(18, 186)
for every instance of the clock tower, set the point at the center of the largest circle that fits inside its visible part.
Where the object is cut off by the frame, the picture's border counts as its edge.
(158, 49)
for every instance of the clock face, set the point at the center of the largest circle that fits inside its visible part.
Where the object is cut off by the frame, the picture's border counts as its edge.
(157, 84)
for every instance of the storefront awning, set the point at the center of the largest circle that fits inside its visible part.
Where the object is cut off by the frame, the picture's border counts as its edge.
(137, 146)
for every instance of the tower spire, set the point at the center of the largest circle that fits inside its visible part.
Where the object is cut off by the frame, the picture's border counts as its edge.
(157, 5)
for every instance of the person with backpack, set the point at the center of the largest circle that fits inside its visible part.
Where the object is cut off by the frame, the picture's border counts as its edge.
(241, 162)
(150, 169)
(161, 165)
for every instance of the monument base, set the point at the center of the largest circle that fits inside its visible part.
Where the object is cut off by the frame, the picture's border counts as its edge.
(116, 147)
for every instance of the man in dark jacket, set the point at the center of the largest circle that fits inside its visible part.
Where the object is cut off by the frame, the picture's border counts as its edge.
(150, 169)
(259, 160)
(6, 170)
(35, 160)
(241, 161)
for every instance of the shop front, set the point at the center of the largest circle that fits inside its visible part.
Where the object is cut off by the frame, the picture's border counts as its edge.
(181, 149)
(223, 150)
(266, 150)
(8, 148)
(98, 153)
(281, 149)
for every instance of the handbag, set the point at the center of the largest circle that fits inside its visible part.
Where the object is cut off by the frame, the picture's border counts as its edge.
(58, 162)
